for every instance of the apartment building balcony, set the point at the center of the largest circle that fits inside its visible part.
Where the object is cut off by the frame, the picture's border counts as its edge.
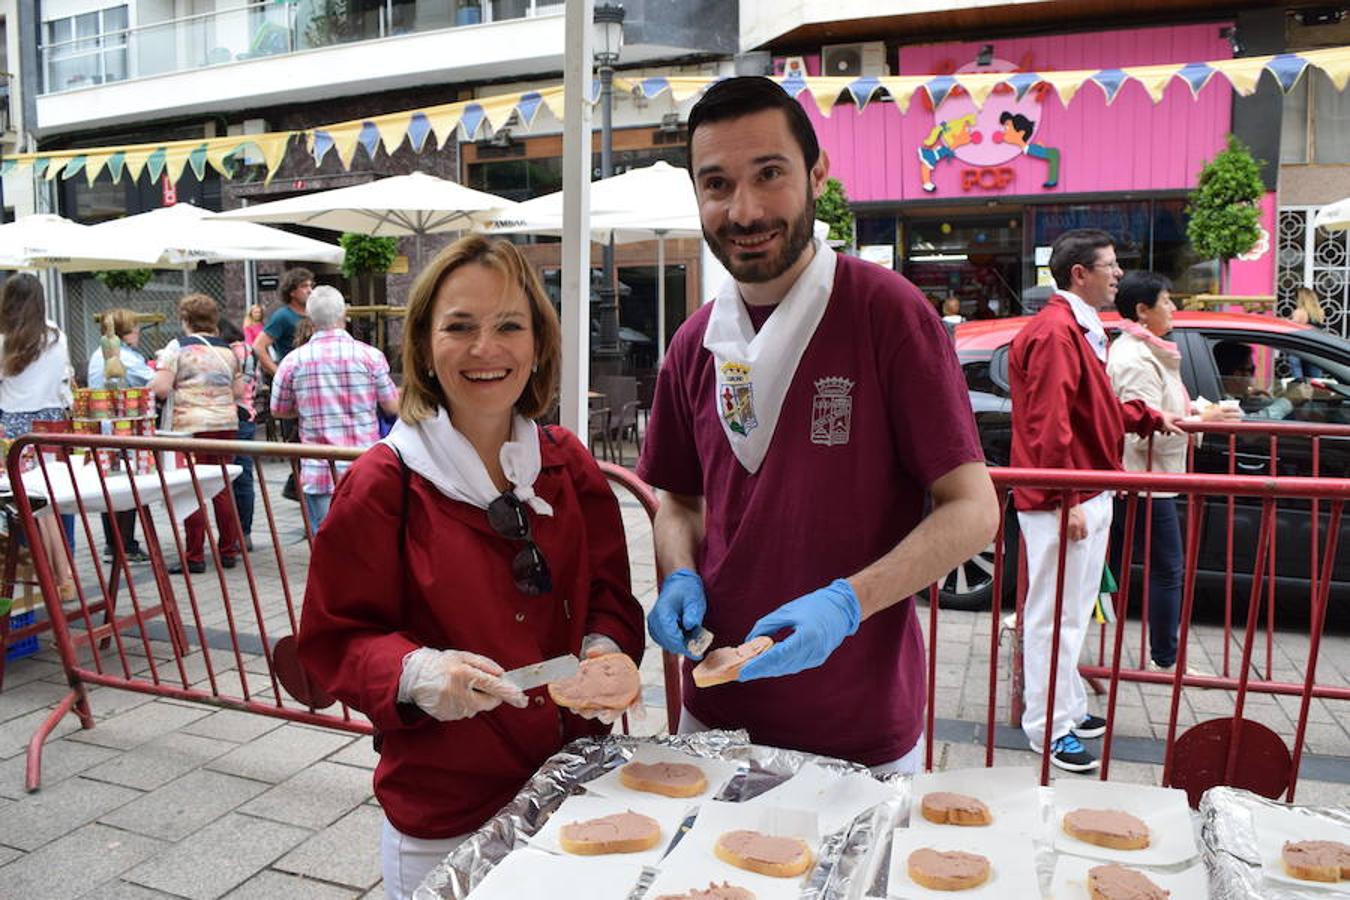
(98, 70)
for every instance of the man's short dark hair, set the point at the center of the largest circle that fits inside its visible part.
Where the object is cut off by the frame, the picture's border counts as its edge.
(732, 98)
(1139, 287)
(1232, 356)
(292, 279)
(1076, 248)
(1020, 123)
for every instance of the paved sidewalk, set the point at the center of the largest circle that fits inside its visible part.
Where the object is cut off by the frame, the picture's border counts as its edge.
(167, 798)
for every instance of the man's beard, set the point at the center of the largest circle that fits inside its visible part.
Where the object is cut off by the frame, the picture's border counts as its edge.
(762, 268)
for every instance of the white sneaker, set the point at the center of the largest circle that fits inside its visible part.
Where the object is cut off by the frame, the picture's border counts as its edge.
(1190, 670)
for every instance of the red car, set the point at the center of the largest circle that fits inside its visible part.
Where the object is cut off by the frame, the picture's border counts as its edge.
(1282, 350)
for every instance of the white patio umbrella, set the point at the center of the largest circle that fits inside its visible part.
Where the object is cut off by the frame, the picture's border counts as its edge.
(655, 201)
(46, 241)
(415, 205)
(1334, 216)
(186, 235)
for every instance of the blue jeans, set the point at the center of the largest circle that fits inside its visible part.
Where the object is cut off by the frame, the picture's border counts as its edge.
(316, 506)
(243, 485)
(1165, 571)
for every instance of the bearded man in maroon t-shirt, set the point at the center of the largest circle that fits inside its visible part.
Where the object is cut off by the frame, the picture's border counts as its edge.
(801, 422)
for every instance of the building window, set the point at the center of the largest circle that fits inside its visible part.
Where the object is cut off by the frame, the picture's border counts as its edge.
(90, 48)
(1316, 125)
(1316, 258)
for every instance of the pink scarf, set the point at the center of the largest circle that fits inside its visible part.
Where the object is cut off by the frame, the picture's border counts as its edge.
(1165, 349)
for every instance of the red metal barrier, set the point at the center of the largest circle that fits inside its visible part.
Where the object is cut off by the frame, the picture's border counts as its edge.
(1195, 489)
(225, 632)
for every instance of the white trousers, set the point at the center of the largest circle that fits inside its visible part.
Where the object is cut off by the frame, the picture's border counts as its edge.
(1083, 562)
(909, 764)
(406, 860)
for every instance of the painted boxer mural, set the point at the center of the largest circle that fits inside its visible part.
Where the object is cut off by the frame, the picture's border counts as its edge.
(988, 137)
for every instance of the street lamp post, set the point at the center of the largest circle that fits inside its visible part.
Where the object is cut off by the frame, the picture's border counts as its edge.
(607, 43)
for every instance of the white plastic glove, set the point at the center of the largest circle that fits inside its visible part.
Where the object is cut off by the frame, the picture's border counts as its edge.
(453, 684)
(598, 645)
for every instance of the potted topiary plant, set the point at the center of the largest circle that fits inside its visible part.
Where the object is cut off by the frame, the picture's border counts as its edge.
(1225, 220)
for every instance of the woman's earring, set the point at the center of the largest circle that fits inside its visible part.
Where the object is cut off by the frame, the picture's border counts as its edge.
(534, 368)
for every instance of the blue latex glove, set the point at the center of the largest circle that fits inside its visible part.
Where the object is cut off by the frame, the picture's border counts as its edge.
(819, 621)
(680, 607)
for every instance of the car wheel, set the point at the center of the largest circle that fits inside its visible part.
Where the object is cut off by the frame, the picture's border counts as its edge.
(969, 586)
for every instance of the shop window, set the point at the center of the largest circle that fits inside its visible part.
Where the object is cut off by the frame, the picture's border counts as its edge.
(1316, 122)
(90, 48)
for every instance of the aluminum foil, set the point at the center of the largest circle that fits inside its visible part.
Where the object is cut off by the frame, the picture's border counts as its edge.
(852, 862)
(1228, 844)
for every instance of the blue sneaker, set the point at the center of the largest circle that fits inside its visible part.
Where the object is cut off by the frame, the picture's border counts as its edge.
(1069, 754)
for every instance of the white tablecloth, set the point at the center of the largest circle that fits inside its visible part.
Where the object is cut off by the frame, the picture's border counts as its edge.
(182, 495)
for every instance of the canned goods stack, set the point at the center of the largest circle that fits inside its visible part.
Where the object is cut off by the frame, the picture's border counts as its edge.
(121, 412)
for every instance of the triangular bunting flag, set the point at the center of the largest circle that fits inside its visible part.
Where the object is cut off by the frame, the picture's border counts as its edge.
(218, 156)
(72, 167)
(979, 85)
(862, 91)
(197, 160)
(1110, 81)
(116, 164)
(938, 88)
(470, 119)
(175, 161)
(794, 84)
(1154, 79)
(1334, 63)
(320, 143)
(1196, 75)
(154, 164)
(653, 87)
(345, 140)
(1021, 82)
(418, 130)
(369, 138)
(135, 163)
(1242, 73)
(527, 106)
(1287, 67)
(902, 90)
(1066, 84)
(392, 130)
(273, 150)
(93, 167)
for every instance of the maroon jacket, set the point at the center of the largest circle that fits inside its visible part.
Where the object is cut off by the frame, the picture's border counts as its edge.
(1065, 413)
(365, 610)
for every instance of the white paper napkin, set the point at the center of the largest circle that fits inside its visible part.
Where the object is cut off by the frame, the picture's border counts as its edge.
(1164, 810)
(1012, 795)
(1071, 879)
(1275, 826)
(837, 799)
(693, 864)
(583, 807)
(1012, 863)
(568, 877)
(717, 771)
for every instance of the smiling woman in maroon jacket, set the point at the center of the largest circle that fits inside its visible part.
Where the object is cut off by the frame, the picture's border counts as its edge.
(471, 543)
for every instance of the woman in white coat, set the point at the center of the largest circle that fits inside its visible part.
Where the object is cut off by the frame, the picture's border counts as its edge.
(1144, 365)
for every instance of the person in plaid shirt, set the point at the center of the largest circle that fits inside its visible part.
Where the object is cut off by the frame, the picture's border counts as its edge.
(332, 384)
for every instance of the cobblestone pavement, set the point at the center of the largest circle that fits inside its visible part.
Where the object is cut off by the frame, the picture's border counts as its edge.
(169, 798)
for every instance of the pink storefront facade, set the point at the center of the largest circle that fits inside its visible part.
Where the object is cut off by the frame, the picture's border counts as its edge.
(965, 199)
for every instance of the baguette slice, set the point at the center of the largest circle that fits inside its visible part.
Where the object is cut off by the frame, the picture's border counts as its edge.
(625, 832)
(944, 808)
(1324, 861)
(1115, 882)
(667, 779)
(781, 857)
(610, 681)
(723, 891)
(950, 870)
(724, 663)
(1107, 828)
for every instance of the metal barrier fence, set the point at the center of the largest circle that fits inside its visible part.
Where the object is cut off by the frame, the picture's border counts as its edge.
(1210, 753)
(213, 637)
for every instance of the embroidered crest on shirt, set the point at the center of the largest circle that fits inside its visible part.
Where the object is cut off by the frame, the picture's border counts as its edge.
(832, 412)
(736, 397)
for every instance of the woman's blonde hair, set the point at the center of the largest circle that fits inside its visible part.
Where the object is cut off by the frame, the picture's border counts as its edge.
(421, 396)
(1306, 299)
(200, 314)
(123, 321)
(248, 313)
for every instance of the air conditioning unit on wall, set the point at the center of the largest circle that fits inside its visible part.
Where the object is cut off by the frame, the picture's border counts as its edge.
(854, 60)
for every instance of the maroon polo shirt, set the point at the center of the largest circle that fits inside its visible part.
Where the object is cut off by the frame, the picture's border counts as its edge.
(825, 503)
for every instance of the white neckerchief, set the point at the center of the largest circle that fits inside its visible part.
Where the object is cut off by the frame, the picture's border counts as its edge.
(1088, 318)
(434, 449)
(754, 371)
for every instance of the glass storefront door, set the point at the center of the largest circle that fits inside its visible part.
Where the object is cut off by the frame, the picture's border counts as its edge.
(977, 259)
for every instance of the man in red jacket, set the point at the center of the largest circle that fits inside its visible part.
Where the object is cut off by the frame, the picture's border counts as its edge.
(1066, 416)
